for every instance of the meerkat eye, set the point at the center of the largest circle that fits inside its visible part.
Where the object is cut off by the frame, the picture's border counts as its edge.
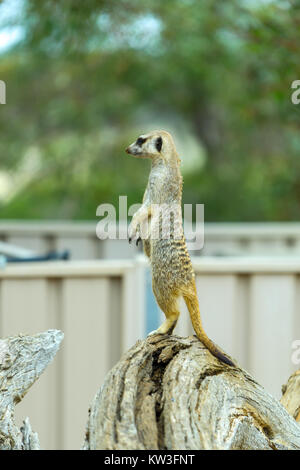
(158, 144)
(140, 141)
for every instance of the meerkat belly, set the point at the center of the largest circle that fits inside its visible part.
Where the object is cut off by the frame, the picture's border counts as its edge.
(171, 264)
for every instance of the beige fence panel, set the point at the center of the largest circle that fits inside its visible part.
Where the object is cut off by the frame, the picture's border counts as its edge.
(86, 348)
(272, 319)
(90, 303)
(249, 306)
(25, 309)
(223, 311)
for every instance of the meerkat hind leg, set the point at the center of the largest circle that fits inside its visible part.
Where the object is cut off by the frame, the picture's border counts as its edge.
(167, 327)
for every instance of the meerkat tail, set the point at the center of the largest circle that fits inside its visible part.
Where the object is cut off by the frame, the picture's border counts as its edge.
(193, 308)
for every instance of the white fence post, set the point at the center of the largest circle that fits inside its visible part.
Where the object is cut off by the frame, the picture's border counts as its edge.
(134, 302)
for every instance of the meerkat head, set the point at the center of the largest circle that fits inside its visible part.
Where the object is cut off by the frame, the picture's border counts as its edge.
(157, 145)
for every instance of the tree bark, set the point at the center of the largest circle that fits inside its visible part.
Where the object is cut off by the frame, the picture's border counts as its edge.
(22, 361)
(169, 392)
(291, 396)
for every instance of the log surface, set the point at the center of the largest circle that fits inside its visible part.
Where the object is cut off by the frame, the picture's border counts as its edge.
(22, 361)
(169, 393)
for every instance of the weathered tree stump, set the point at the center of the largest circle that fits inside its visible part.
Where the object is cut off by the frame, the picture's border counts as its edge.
(170, 393)
(22, 361)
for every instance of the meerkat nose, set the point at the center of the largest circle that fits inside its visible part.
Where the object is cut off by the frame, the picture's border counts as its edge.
(127, 150)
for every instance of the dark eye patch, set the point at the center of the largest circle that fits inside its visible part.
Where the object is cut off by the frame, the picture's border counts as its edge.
(158, 144)
(140, 141)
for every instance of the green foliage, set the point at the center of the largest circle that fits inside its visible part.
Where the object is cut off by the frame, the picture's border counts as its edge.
(88, 77)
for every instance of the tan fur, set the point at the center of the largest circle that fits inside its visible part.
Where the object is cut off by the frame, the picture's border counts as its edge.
(172, 272)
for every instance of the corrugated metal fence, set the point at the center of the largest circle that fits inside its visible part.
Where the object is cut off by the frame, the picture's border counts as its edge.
(249, 306)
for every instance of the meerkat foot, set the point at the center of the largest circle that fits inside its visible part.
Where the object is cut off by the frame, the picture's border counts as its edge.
(152, 333)
(165, 329)
(156, 332)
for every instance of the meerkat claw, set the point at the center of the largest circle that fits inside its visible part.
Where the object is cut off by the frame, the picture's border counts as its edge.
(152, 333)
(138, 240)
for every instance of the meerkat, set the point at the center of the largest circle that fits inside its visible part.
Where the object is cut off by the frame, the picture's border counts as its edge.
(164, 243)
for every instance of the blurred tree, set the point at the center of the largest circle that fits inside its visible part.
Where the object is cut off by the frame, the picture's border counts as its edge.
(85, 78)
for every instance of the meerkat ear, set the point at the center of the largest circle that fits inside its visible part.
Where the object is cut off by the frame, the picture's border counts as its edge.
(158, 144)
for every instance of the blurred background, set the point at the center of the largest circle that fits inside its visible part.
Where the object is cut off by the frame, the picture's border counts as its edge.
(83, 80)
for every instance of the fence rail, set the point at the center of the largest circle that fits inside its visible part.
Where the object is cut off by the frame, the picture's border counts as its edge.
(250, 307)
(221, 239)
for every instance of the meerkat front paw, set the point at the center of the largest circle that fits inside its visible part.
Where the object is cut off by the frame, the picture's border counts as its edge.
(134, 236)
(133, 233)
